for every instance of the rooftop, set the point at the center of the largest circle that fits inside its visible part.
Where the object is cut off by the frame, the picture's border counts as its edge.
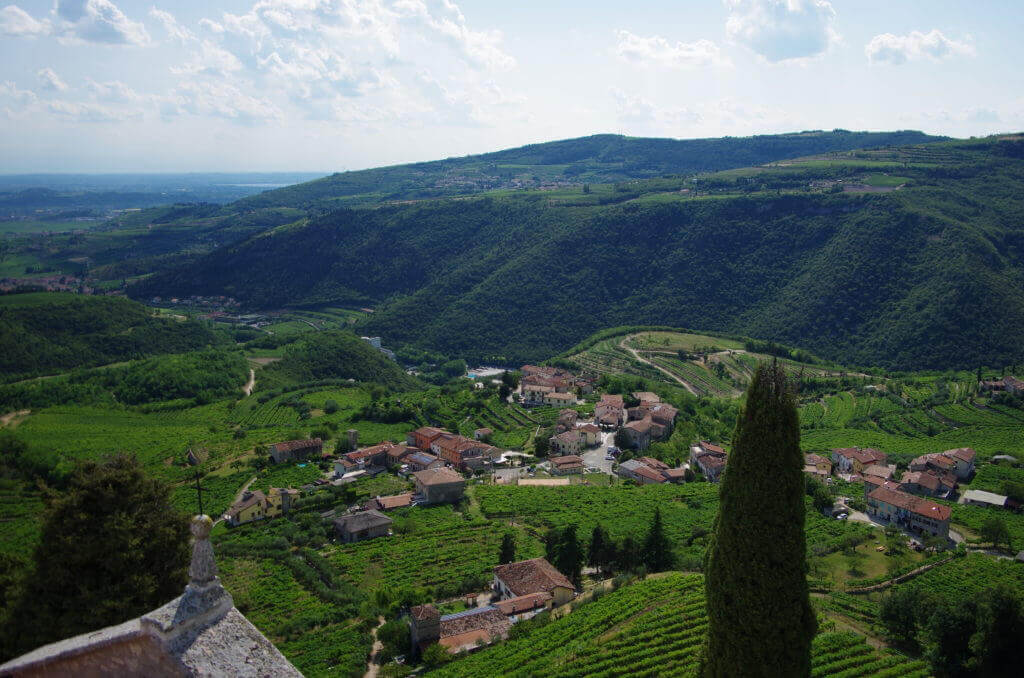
(438, 476)
(531, 576)
(909, 502)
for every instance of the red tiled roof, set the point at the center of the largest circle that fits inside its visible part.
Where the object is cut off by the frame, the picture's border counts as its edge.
(567, 460)
(256, 497)
(656, 464)
(531, 576)
(438, 476)
(292, 445)
(525, 603)
(649, 473)
(865, 456)
(609, 399)
(641, 426)
(672, 473)
(922, 478)
(590, 428)
(962, 453)
(815, 459)
(392, 502)
(711, 447)
(909, 502)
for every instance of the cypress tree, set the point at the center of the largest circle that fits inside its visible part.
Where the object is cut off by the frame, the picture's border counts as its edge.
(760, 621)
(507, 554)
(598, 552)
(657, 555)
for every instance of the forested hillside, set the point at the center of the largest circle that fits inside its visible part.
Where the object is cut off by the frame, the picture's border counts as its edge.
(47, 333)
(598, 158)
(827, 254)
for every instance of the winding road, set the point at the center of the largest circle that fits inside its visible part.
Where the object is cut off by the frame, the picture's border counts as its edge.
(632, 352)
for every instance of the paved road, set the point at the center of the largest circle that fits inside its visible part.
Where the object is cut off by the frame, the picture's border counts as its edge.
(596, 457)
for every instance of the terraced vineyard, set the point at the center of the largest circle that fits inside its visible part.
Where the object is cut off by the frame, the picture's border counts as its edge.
(433, 547)
(655, 627)
(968, 576)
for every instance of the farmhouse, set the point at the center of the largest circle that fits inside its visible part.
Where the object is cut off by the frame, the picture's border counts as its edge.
(534, 394)
(532, 576)
(928, 483)
(251, 506)
(856, 459)
(292, 450)
(523, 607)
(397, 453)
(461, 452)
(566, 465)
(457, 632)
(362, 525)
(820, 463)
(638, 433)
(959, 462)
(634, 469)
(709, 459)
(439, 485)
(917, 514)
(591, 434)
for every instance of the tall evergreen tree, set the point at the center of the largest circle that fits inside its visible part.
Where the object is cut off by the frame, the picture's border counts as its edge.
(657, 554)
(760, 621)
(569, 557)
(597, 554)
(507, 554)
(552, 542)
(113, 546)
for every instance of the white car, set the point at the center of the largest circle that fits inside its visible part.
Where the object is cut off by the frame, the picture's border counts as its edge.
(842, 516)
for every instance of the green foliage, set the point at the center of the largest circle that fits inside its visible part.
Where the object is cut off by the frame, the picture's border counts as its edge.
(657, 550)
(334, 355)
(507, 553)
(112, 548)
(45, 333)
(652, 627)
(756, 571)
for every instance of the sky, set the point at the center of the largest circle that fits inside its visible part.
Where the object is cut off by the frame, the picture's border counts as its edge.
(334, 85)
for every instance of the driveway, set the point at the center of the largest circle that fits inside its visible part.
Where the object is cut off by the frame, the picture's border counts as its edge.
(595, 457)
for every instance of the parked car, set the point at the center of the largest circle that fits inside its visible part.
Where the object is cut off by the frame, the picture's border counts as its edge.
(609, 457)
(842, 516)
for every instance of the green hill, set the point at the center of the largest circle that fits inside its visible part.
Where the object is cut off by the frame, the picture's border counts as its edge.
(598, 158)
(44, 333)
(812, 253)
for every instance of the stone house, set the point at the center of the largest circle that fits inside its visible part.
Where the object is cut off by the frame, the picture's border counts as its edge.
(569, 464)
(820, 463)
(567, 442)
(591, 434)
(709, 459)
(856, 459)
(634, 469)
(609, 412)
(459, 632)
(638, 433)
(556, 399)
(363, 525)
(439, 486)
(566, 420)
(293, 450)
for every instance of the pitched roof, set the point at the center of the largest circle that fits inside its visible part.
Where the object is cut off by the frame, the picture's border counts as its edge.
(664, 413)
(656, 464)
(649, 473)
(531, 576)
(424, 612)
(640, 426)
(254, 498)
(962, 453)
(865, 456)
(672, 473)
(399, 451)
(815, 459)
(525, 603)
(985, 497)
(711, 447)
(392, 502)
(429, 431)
(878, 470)
(292, 445)
(909, 502)
(589, 428)
(438, 476)
(567, 460)
(922, 478)
(611, 399)
(363, 520)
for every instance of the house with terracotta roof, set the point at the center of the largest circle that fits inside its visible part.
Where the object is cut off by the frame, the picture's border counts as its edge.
(532, 576)
(638, 433)
(709, 458)
(556, 399)
(463, 453)
(390, 503)
(917, 514)
(534, 394)
(439, 486)
(423, 436)
(959, 462)
(459, 632)
(397, 453)
(524, 607)
(928, 483)
(567, 442)
(249, 507)
(856, 459)
(609, 412)
(1009, 384)
(293, 450)
(591, 434)
(963, 460)
(820, 463)
(566, 465)
(634, 469)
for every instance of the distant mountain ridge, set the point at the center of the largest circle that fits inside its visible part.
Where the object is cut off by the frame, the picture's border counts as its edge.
(598, 158)
(905, 258)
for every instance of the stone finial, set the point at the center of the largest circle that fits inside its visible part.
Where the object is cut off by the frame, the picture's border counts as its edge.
(203, 569)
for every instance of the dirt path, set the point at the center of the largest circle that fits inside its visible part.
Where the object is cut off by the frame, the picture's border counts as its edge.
(238, 496)
(372, 667)
(11, 416)
(249, 385)
(632, 352)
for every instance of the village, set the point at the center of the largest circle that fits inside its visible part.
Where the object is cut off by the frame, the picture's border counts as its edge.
(611, 443)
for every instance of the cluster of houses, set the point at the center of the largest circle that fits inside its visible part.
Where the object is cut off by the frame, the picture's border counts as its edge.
(906, 501)
(552, 386)
(709, 459)
(650, 420)
(523, 589)
(1009, 384)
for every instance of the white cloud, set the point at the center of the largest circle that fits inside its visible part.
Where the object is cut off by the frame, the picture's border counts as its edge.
(221, 100)
(445, 20)
(211, 26)
(637, 110)
(97, 21)
(16, 22)
(88, 112)
(210, 60)
(50, 80)
(175, 31)
(782, 30)
(659, 51)
(898, 49)
(20, 97)
(113, 91)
